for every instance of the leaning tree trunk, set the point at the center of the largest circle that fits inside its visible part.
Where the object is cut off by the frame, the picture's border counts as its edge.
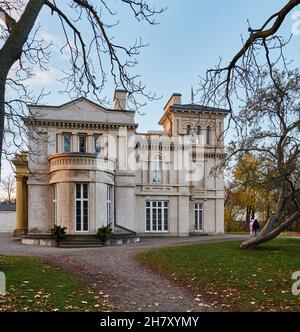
(275, 225)
(287, 212)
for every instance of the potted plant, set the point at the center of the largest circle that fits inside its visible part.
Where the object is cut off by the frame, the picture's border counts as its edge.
(103, 233)
(58, 233)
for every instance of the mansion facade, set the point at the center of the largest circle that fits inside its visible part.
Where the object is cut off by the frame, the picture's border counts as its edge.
(88, 167)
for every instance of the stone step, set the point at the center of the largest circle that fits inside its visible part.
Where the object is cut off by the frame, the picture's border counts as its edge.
(80, 245)
(80, 241)
(197, 234)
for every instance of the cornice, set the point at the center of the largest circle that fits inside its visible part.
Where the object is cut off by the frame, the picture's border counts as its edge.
(78, 125)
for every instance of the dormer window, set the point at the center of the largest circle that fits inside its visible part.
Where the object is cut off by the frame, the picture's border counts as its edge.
(67, 139)
(208, 135)
(82, 143)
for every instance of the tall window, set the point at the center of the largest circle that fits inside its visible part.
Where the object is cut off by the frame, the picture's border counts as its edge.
(82, 143)
(67, 139)
(199, 217)
(109, 205)
(97, 144)
(54, 204)
(208, 135)
(189, 130)
(82, 206)
(198, 134)
(157, 169)
(157, 216)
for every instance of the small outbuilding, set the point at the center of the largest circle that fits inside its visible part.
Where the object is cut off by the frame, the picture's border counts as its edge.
(7, 218)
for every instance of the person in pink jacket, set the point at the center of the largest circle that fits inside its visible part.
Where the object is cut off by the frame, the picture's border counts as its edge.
(251, 227)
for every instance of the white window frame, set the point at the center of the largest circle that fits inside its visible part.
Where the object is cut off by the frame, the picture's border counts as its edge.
(198, 134)
(109, 204)
(96, 137)
(81, 199)
(63, 142)
(54, 205)
(157, 169)
(208, 135)
(85, 144)
(152, 206)
(199, 215)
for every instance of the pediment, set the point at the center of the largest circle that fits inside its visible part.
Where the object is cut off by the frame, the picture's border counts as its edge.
(82, 110)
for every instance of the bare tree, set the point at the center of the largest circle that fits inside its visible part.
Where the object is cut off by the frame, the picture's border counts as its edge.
(265, 120)
(8, 189)
(93, 54)
(222, 82)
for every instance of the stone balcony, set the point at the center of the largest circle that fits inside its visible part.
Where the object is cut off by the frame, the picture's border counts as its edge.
(80, 161)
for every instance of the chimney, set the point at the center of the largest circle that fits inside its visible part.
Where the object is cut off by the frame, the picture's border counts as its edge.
(175, 99)
(120, 100)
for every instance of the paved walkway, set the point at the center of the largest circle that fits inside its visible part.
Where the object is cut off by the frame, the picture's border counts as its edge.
(114, 274)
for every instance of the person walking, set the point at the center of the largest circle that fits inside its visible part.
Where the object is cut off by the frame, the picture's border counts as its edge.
(255, 227)
(251, 227)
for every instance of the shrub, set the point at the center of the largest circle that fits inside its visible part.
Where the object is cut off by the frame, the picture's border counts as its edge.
(103, 233)
(58, 233)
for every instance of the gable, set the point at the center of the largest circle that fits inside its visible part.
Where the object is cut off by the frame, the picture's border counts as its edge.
(81, 110)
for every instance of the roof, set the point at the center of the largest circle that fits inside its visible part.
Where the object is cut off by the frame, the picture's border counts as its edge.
(78, 100)
(194, 108)
(7, 207)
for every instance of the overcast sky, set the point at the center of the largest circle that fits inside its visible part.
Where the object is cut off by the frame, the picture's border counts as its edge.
(191, 37)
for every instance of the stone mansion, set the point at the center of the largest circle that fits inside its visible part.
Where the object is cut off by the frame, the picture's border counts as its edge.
(89, 167)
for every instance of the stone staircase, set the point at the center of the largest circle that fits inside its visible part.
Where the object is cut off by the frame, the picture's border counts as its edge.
(81, 241)
(120, 236)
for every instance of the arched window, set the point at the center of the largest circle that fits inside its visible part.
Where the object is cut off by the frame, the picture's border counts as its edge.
(189, 130)
(157, 169)
(208, 135)
(198, 132)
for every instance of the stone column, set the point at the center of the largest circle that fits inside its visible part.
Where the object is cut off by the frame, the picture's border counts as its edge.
(21, 208)
(20, 163)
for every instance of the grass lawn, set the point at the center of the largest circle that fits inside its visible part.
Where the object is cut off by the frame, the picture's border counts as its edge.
(224, 277)
(292, 234)
(33, 285)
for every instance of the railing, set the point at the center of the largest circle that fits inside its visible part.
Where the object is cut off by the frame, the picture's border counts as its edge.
(80, 161)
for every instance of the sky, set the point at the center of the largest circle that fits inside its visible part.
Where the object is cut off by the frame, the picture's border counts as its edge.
(190, 38)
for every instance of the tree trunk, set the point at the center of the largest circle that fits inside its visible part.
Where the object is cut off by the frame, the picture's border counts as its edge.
(247, 215)
(12, 51)
(275, 225)
(2, 112)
